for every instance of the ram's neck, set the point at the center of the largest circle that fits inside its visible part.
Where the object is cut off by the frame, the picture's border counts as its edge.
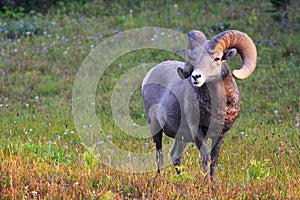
(229, 89)
(224, 101)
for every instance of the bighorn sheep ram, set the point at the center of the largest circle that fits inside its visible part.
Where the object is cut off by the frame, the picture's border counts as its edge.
(198, 99)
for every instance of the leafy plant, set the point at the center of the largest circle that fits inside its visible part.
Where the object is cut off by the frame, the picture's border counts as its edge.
(90, 158)
(258, 169)
(182, 177)
(108, 195)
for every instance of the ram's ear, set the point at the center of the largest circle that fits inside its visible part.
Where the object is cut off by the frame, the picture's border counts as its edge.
(229, 53)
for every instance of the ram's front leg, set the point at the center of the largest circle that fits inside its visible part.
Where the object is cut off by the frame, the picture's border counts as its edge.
(216, 146)
(201, 143)
(205, 155)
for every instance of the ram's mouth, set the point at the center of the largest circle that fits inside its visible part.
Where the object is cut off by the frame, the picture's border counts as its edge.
(197, 83)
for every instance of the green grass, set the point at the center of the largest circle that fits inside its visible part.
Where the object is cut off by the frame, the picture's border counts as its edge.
(42, 156)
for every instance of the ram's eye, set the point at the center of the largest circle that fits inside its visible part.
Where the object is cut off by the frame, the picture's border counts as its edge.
(217, 59)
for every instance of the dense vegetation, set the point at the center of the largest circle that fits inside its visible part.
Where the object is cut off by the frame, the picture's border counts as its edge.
(41, 154)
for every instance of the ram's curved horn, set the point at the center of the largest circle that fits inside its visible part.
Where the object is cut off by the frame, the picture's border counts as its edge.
(195, 39)
(244, 45)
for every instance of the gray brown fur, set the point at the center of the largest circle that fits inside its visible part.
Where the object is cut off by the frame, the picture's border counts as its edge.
(182, 108)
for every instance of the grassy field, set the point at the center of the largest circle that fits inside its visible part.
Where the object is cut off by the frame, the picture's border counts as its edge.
(41, 153)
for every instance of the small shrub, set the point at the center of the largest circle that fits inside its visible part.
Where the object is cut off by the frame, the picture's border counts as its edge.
(280, 10)
(15, 6)
(27, 26)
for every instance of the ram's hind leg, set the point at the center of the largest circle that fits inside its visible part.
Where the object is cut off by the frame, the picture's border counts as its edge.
(176, 154)
(159, 152)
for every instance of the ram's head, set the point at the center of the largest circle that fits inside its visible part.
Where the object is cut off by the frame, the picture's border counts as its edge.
(205, 58)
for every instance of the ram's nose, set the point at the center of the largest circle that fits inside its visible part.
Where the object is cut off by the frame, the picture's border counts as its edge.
(197, 79)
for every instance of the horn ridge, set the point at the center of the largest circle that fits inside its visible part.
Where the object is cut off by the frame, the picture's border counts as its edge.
(244, 45)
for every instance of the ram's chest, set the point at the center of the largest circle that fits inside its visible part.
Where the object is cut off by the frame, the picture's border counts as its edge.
(204, 102)
(232, 109)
